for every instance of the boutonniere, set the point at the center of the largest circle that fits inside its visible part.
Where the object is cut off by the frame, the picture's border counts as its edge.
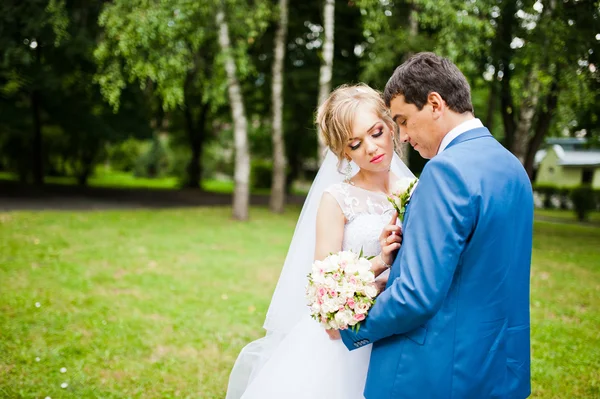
(401, 195)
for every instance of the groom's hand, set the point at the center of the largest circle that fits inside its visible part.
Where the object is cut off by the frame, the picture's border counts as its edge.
(390, 240)
(334, 335)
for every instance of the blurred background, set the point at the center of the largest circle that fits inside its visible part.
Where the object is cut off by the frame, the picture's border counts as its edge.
(172, 119)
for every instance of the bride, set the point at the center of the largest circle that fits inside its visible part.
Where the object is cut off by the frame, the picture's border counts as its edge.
(296, 358)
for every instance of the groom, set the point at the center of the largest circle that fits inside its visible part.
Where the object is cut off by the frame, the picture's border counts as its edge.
(453, 321)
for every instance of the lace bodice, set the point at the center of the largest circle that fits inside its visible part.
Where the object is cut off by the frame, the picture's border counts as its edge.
(366, 213)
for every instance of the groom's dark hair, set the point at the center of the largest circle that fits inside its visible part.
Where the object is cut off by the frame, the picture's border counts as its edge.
(424, 73)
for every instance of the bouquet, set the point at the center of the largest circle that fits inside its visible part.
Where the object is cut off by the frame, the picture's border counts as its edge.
(341, 290)
(401, 195)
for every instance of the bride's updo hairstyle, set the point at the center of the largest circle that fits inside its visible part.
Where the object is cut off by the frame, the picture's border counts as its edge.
(335, 116)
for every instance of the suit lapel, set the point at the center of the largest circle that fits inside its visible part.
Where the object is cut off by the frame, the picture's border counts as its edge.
(470, 135)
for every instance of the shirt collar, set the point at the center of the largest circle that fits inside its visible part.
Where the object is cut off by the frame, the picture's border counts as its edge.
(458, 130)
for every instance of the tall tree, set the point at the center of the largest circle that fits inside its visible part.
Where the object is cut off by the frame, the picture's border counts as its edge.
(162, 46)
(241, 193)
(534, 70)
(326, 72)
(277, 201)
(30, 32)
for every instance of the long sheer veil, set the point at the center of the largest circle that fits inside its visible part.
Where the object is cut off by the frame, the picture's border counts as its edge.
(288, 304)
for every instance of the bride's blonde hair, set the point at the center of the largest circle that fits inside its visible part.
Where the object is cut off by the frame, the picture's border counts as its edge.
(335, 117)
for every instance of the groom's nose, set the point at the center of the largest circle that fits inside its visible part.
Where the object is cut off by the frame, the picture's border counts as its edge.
(403, 136)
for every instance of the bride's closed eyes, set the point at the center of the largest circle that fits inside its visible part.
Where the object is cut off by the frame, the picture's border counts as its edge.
(378, 133)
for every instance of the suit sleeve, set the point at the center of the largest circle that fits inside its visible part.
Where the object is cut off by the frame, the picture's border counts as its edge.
(439, 221)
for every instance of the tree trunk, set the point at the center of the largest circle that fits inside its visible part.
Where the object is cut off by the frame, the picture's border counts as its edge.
(492, 100)
(542, 126)
(37, 142)
(326, 71)
(195, 132)
(85, 172)
(413, 31)
(277, 201)
(504, 55)
(241, 194)
(38, 161)
(520, 140)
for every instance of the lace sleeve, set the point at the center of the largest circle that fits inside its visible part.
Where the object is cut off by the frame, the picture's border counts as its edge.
(346, 202)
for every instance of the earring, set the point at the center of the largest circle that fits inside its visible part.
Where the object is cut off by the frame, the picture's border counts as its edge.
(348, 171)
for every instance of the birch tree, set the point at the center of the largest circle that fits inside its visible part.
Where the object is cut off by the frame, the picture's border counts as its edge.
(241, 194)
(277, 201)
(326, 71)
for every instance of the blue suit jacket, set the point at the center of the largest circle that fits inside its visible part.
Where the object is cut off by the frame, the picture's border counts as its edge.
(454, 319)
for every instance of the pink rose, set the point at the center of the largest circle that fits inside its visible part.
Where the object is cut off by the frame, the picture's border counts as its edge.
(350, 302)
(359, 317)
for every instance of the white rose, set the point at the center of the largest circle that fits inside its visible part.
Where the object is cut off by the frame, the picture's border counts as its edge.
(351, 267)
(340, 301)
(402, 185)
(361, 308)
(367, 277)
(343, 318)
(329, 306)
(315, 308)
(347, 256)
(332, 262)
(329, 282)
(371, 291)
(317, 266)
(347, 291)
(364, 265)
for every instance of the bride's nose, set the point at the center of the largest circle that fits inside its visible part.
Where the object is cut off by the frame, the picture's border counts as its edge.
(371, 147)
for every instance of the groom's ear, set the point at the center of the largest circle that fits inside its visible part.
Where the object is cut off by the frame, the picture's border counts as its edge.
(437, 103)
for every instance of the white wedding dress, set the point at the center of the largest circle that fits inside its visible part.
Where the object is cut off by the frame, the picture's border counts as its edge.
(304, 362)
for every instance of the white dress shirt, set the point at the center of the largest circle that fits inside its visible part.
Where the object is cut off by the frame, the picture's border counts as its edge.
(457, 131)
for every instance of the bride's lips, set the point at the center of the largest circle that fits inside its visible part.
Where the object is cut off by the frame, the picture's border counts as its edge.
(378, 158)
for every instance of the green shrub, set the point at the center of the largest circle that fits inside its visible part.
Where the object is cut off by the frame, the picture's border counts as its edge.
(547, 191)
(123, 156)
(155, 161)
(583, 201)
(261, 174)
(178, 167)
(217, 161)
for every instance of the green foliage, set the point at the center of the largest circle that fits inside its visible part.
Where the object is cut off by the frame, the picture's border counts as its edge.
(218, 157)
(123, 155)
(583, 198)
(261, 174)
(170, 46)
(584, 201)
(154, 161)
(547, 191)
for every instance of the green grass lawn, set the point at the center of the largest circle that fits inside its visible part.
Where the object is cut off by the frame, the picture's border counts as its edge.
(157, 304)
(109, 178)
(566, 215)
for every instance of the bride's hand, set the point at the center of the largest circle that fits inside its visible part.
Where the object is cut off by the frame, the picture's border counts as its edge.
(334, 335)
(390, 240)
(380, 283)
